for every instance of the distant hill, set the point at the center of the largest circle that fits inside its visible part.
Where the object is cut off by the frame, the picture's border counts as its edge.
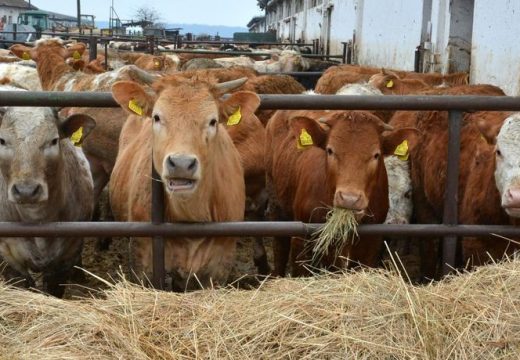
(197, 29)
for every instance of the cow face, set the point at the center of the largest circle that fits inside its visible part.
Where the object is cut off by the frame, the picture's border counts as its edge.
(185, 116)
(507, 172)
(30, 142)
(355, 146)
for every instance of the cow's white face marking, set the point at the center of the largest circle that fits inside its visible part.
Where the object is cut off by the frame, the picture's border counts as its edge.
(507, 172)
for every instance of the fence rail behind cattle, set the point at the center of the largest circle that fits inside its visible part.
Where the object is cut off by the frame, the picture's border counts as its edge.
(157, 229)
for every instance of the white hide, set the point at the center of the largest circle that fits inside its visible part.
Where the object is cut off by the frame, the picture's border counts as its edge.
(21, 75)
(507, 172)
(399, 191)
(235, 61)
(358, 89)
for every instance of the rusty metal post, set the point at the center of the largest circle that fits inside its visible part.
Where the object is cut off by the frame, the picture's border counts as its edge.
(92, 48)
(344, 52)
(151, 44)
(157, 241)
(417, 59)
(451, 194)
(106, 56)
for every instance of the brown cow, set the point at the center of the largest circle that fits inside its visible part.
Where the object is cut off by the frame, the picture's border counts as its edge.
(391, 84)
(344, 168)
(198, 164)
(161, 63)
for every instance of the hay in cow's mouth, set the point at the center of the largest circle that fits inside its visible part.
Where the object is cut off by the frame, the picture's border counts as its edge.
(340, 228)
(180, 184)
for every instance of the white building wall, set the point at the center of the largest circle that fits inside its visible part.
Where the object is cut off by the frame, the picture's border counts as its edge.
(390, 32)
(343, 24)
(9, 12)
(495, 54)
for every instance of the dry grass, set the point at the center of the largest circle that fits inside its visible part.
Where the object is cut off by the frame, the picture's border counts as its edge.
(339, 229)
(362, 315)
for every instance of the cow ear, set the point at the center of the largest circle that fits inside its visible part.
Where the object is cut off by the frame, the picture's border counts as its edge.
(489, 131)
(238, 105)
(308, 132)
(133, 98)
(393, 142)
(79, 125)
(23, 52)
(75, 51)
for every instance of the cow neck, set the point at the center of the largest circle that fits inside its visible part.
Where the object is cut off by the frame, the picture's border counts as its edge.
(378, 202)
(51, 69)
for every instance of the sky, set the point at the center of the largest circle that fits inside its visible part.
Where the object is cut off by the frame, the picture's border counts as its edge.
(208, 12)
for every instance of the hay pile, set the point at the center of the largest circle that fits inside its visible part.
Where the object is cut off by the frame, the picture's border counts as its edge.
(365, 315)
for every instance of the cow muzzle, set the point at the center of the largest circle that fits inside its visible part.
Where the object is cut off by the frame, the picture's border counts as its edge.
(181, 173)
(511, 201)
(27, 192)
(351, 200)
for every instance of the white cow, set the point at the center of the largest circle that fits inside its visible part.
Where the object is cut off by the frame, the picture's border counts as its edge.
(43, 178)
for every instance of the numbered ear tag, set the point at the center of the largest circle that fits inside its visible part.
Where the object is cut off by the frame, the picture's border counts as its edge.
(390, 84)
(77, 136)
(76, 55)
(26, 56)
(134, 106)
(401, 151)
(304, 140)
(234, 118)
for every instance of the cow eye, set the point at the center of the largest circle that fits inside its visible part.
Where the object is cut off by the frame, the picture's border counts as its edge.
(376, 156)
(156, 118)
(329, 151)
(55, 141)
(2, 141)
(499, 153)
(408, 194)
(213, 122)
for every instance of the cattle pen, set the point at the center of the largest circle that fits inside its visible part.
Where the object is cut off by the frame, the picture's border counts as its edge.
(449, 229)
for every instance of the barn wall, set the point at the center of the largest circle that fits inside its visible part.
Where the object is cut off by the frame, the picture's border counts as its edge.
(343, 24)
(377, 42)
(495, 54)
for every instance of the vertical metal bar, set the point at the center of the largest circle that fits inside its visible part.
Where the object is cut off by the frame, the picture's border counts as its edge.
(106, 55)
(344, 52)
(151, 44)
(417, 59)
(92, 48)
(157, 241)
(451, 194)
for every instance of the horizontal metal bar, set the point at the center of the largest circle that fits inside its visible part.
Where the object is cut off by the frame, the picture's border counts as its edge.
(210, 42)
(295, 73)
(242, 53)
(290, 228)
(331, 102)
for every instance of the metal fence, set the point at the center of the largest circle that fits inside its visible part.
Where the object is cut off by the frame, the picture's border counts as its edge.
(449, 229)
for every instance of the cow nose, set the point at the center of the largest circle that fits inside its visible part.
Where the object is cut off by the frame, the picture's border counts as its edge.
(182, 166)
(26, 192)
(512, 198)
(351, 200)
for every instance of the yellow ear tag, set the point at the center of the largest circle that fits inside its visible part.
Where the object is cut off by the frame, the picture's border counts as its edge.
(304, 140)
(26, 56)
(234, 118)
(76, 55)
(390, 84)
(157, 64)
(402, 151)
(76, 137)
(134, 106)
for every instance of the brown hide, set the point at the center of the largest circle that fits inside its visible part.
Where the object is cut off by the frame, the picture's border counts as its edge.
(190, 105)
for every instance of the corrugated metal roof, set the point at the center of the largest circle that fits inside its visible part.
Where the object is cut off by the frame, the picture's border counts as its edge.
(18, 4)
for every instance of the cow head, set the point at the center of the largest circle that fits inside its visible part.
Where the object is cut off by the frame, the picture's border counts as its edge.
(507, 171)
(55, 45)
(186, 117)
(30, 150)
(355, 144)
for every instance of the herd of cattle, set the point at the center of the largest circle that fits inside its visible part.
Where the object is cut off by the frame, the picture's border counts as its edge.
(221, 158)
